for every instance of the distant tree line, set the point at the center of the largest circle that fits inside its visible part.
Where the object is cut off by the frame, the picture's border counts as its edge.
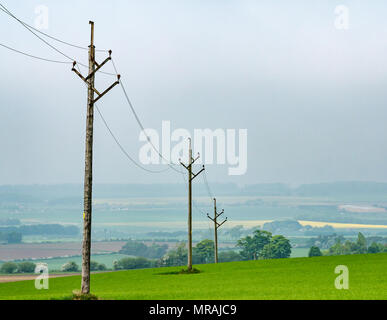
(357, 247)
(43, 229)
(72, 266)
(21, 267)
(345, 247)
(162, 234)
(137, 248)
(10, 237)
(9, 222)
(260, 245)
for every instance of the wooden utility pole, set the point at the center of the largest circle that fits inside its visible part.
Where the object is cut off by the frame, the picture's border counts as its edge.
(88, 182)
(191, 176)
(216, 227)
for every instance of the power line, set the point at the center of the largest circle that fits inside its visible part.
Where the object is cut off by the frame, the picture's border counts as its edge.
(208, 186)
(30, 29)
(54, 38)
(49, 36)
(4, 9)
(122, 148)
(170, 164)
(119, 144)
(193, 201)
(32, 56)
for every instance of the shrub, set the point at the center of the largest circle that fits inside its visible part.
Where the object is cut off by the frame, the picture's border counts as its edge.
(102, 267)
(375, 248)
(95, 266)
(132, 263)
(8, 267)
(70, 267)
(314, 252)
(26, 267)
(229, 256)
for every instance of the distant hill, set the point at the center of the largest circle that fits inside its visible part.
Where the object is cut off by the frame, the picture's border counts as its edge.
(73, 193)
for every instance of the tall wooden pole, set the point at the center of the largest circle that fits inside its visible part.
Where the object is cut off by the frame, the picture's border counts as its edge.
(189, 264)
(217, 225)
(191, 176)
(216, 233)
(88, 183)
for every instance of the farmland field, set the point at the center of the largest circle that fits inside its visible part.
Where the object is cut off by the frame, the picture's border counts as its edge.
(48, 250)
(298, 278)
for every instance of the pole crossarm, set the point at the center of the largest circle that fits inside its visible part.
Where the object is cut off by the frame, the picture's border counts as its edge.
(208, 216)
(220, 224)
(195, 175)
(220, 213)
(91, 74)
(108, 89)
(184, 165)
(99, 66)
(194, 160)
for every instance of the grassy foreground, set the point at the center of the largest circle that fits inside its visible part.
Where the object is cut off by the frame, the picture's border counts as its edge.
(297, 278)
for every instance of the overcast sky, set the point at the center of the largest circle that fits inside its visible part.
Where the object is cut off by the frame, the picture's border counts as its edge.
(312, 97)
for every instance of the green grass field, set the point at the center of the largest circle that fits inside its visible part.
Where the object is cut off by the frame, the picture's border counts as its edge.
(298, 278)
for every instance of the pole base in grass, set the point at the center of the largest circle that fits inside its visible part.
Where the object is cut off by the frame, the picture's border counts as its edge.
(186, 271)
(78, 295)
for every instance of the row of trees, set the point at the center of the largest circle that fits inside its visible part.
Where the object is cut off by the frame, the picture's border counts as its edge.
(342, 247)
(10, 237)
(134, 263)
(358, 247)
(21, 267)
(73, 267)
(261, 245)
(29, 267)
(42, 229)
(202, 253)
(136, 248)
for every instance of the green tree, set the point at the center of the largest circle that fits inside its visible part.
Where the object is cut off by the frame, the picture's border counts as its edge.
(229, 256)
(95, 266)
(203, 252)
(314, 252)
(102, 267)
(70, 267)
(175, 257)
(133, 263)
(337, 248)
(8, 267)
(361, 244)
(375, 248)
(279, 247)
(26, 267)
(134, 248)
(252, 246)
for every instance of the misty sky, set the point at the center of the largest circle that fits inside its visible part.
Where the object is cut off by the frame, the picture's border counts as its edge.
(313, 98)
